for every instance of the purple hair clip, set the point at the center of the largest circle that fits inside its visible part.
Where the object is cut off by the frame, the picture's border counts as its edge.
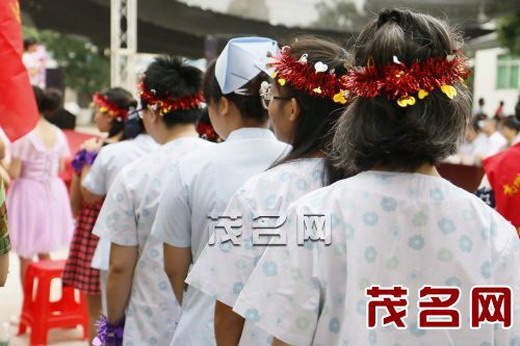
(81, 159)
(109, 334)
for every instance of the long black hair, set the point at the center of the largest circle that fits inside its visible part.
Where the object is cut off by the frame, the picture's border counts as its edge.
(318, 115)
(123, 99)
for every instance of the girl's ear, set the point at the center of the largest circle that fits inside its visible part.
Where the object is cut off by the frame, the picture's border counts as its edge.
(223, 106)
(295, 110)
(155, 116)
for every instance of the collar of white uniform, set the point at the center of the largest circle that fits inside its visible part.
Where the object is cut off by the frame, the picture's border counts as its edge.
(179, 140)
(143, 137)
(250, 133)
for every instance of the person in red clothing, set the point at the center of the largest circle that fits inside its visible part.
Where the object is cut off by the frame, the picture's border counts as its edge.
(499, 112)
(502, 181)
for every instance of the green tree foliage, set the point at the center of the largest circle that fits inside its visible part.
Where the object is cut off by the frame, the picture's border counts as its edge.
(509, 32)
(87, 68)
(339, 15)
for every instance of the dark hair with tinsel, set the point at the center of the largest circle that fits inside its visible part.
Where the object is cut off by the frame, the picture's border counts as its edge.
(205, 128)
(376, 132)
(123, 99)
(171, 77)
(318, 115)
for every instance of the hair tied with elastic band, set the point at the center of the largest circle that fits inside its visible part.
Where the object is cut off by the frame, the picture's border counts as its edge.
(389, 16)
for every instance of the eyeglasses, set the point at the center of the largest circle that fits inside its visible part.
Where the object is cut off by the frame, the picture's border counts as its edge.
(136, 112)
(267, 96)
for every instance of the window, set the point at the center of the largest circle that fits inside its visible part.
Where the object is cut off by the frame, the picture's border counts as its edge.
(508, 72)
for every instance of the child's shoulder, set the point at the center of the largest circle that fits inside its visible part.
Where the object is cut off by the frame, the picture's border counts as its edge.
(59, 132)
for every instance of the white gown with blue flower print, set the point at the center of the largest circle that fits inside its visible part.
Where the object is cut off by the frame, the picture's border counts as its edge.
(126, 219)
(387, 229)
(221, 271)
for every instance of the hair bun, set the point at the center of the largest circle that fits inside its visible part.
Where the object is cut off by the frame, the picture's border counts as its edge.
(388, 16)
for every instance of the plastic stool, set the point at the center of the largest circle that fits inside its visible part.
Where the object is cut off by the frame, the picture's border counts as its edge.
(39, 313)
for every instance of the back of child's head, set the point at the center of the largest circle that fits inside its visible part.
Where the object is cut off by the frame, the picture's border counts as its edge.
(177, 85)
(247, 101)
(48, 101)
(121, 100)
(28, 42)
(403, 127)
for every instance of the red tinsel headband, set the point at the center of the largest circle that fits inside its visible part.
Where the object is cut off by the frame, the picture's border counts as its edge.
(109, 107)
(207, 131)
(401, 82)
(314, 80)
(167, 104)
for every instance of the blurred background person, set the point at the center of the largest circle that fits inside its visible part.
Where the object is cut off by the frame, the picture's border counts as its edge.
(511, 130)
(5, 245)
(33, 58)
(489, 141)
(4, 157)
(499, 112)
(479, 109)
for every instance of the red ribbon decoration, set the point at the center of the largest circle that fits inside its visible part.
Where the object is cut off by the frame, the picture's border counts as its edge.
(107, 106)
(167, 104)
(396, 80)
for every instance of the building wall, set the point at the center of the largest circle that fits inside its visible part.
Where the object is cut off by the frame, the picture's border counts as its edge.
(485, 80)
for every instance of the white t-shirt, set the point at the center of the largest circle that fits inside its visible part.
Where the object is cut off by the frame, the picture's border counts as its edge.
(498, 142)
(200, 187)
(109, 162)
(112, 158)
(126, 219)
(387, 229)
(223, 268)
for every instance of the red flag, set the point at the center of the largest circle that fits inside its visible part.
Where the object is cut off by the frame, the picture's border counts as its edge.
(18, 110)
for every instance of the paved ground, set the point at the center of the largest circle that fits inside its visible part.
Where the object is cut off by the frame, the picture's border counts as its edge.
(11, 302)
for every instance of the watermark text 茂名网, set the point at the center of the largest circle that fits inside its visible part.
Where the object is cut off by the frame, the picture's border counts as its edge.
(488, 304)
(267, 229)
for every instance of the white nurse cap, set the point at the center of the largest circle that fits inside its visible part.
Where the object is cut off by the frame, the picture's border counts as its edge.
(243, 59)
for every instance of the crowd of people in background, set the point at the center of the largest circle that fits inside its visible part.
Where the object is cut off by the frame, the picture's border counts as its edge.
(265, 136)
(488, 135)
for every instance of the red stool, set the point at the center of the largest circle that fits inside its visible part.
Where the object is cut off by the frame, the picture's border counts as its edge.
(39, 313)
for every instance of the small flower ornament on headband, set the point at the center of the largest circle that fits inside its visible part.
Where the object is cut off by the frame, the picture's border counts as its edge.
(405, 83)
(166, 104)
(109, 107)
(313, 79)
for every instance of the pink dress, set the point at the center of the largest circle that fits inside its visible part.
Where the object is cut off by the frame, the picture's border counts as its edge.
(38, 206)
